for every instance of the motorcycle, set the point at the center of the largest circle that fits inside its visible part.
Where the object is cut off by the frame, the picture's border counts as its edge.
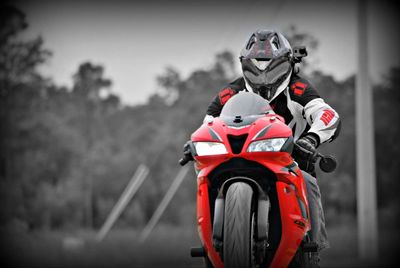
(252, 209)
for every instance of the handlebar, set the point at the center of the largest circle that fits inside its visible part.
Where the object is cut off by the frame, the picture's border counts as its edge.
(184, 160)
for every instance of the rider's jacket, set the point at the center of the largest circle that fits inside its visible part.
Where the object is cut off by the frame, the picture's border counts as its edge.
(299, 104)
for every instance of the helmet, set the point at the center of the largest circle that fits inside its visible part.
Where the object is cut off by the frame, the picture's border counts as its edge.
(267, 63)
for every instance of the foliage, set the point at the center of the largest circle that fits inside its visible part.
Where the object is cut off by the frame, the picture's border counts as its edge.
(18, 58)
(66, 154)
(298, 38)
(387, 131)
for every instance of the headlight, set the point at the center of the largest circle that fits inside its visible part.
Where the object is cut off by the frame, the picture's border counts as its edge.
(269, 145)
(209, 148)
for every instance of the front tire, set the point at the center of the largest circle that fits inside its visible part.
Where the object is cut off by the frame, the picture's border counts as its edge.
(237, 249)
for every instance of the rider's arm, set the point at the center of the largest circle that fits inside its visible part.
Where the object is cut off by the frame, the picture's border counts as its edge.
(215, 107)
(323, 120)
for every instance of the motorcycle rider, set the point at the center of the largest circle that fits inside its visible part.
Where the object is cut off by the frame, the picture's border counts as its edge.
(268, 65)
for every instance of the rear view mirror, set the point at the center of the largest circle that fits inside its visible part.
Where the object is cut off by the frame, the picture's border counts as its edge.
(327, 163)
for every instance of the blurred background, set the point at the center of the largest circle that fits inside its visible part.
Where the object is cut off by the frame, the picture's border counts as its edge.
(90, 90)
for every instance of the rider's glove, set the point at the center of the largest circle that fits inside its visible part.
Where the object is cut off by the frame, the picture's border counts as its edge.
(305, 151)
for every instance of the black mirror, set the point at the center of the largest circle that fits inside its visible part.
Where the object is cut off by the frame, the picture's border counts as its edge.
(327, 164)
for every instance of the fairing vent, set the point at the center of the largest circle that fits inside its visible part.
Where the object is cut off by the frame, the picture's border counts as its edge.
(237, 142)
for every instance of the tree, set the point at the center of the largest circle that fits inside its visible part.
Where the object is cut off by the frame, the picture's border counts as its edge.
(224, 66)
(386, 115)
(89, 81)
(18, 59)
(88, 85)
(169, 82)
(18, 63)
(297, 38)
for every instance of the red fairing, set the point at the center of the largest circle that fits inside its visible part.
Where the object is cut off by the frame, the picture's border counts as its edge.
(290, 187)
(294, 226)
(204, 222)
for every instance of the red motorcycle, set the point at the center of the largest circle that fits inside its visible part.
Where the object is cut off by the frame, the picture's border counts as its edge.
(252, 208)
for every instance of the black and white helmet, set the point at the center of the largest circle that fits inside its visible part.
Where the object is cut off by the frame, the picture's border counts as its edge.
(267, 63)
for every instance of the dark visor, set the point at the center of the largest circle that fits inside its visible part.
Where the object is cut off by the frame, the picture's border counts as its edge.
(267, 77)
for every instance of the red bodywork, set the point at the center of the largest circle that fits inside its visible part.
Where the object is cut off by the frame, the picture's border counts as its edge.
(289, 186)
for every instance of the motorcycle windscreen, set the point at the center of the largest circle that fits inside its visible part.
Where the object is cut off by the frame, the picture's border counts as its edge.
(244, 108)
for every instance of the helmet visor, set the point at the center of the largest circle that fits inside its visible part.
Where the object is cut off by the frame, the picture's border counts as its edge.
(272, 74)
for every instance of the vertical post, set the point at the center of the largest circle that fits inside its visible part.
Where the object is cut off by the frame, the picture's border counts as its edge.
(365, 156)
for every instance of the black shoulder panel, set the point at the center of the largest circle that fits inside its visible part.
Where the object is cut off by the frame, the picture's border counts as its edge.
(224, 95)
(301, 91)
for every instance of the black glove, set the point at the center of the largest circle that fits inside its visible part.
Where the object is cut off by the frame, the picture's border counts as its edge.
(305, 152)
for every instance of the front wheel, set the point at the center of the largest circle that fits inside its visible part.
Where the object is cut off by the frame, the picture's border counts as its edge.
(237, 249)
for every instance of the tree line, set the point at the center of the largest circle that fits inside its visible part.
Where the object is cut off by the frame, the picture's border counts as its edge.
(67, 153)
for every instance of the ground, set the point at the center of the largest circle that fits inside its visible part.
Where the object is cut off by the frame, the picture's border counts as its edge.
(167, 246)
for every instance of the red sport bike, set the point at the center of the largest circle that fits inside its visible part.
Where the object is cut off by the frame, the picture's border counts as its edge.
(252, 209)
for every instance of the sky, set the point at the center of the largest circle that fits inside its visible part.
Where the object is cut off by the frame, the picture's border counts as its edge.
(135, 42)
